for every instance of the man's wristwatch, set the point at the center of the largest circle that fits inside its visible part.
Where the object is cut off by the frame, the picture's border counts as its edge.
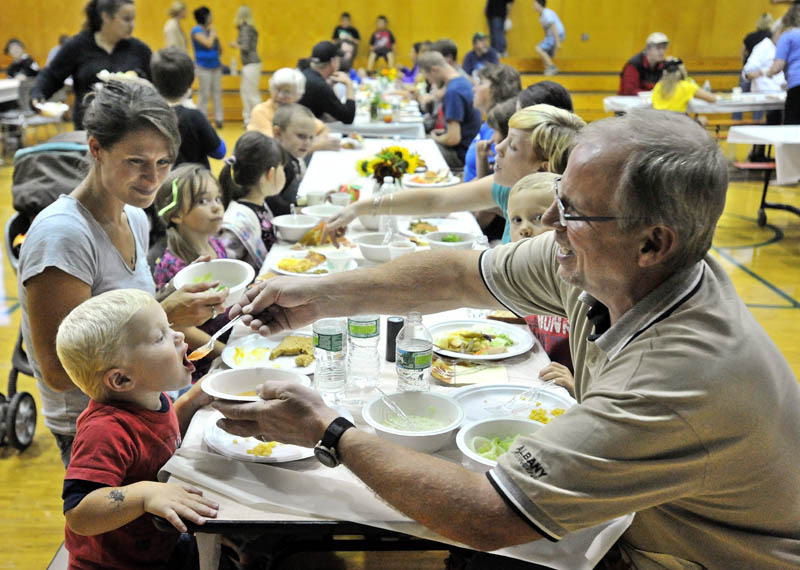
(325, 450)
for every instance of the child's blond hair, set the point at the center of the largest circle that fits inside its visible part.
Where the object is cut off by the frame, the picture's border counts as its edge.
(674, 72)
(538, 182)
(553, 132)
(92, 338)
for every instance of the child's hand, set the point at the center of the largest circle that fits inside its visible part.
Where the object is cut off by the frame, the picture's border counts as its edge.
(483, 149)
(175, 502)
(559, 373)
(195, 396)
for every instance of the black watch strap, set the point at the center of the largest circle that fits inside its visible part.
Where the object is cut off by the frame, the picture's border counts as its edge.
(333, 433)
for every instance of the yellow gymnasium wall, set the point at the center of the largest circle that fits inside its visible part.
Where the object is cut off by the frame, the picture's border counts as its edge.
(706, 33)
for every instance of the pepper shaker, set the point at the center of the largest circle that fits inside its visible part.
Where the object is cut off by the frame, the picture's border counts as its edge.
(393, 326)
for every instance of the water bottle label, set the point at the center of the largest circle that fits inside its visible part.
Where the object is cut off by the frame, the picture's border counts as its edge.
(363, 329)
(331, 342)
(414, 360)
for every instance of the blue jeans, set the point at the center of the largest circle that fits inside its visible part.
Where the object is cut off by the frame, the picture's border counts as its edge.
(497, 34)
(64, 443)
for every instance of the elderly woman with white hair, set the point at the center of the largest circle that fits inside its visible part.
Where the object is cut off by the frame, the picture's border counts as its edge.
(286, 86)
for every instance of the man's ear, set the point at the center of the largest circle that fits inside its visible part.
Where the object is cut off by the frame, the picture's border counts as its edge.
(544, 166)
(656, 245)
(276, 131)
(117, 380)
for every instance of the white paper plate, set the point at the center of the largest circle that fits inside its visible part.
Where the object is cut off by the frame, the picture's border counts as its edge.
(476, 399)
(236, 446)
(254, 341)
(442, 225)
(452, 181)
(310, 273)
(523, 340)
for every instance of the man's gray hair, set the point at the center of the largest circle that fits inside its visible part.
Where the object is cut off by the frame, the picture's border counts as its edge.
(672, 173)
(429, 60)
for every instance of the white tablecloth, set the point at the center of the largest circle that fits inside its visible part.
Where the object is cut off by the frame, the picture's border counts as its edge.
(405, 128)
(305, 490)
(786, 139)
(328, 169)
(746, 102)
(9, 90)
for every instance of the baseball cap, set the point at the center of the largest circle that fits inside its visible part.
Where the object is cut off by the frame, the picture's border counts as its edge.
(657, 38)
(479, 36)
(325, 51)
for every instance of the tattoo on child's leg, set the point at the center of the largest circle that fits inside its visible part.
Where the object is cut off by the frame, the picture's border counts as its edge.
(117, 497)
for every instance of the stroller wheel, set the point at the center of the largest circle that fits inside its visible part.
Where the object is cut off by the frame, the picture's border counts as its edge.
(20, 421)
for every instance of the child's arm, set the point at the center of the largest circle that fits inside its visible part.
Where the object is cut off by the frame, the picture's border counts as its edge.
(482, 151)
(109, 508)
(187, 404)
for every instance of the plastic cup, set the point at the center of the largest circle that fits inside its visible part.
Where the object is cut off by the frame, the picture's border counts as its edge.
(316, 197)
(340, 198)
(338, 260)
(398, 248)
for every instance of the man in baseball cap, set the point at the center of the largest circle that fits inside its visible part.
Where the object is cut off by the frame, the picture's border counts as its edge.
(644, 69)
(321, 73)
(482, 54)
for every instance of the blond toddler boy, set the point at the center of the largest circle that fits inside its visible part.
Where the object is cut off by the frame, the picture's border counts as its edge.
(528, 200)
(119, 349)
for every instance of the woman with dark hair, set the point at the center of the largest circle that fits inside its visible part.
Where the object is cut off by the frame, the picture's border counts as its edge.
(95, 239)
(105, 43)
(496, 83)
(207, 51)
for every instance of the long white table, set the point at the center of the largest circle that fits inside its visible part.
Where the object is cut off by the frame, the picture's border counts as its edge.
(9, 90)
(746, 102)
(786, 139)
(405, 128)
(328, 169)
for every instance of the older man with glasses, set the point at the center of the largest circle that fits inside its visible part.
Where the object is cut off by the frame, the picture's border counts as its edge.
(687, 415)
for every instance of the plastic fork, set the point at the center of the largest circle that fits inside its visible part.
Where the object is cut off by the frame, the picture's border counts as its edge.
(394, 407)
(202, 351)
(523, 398)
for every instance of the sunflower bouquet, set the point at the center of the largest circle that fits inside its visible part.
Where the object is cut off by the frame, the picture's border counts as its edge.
(390, 161)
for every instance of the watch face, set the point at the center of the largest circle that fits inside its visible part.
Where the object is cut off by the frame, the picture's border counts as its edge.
(325, 456)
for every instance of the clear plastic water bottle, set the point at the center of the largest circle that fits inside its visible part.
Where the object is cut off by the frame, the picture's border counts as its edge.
(330, 350)
(707, 85)
(414, 355)
(363, 359)
(387, 224)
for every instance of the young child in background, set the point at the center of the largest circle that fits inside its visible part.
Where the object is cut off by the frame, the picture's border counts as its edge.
(252, 173)
(381, 44)
(528, 201)
(674, 90)
(173, 73)
(553, 35)
(295, 128)
(189, 205)
(119, 349)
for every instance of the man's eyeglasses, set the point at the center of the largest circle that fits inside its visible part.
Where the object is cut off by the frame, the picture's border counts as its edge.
(563, 217)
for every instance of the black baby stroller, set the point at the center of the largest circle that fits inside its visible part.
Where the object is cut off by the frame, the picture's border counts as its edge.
(41, 174)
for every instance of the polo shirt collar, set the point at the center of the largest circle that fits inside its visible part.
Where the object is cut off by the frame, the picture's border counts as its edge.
(655, 306)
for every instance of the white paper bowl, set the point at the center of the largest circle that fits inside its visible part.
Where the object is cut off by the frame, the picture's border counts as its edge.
(322, 211)
(234, 274)
(53, 109)
(491, 428)
(370, 223)
(435, 240)
(425, 404)
(291, 227)
(230, 384)
(372, 247)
